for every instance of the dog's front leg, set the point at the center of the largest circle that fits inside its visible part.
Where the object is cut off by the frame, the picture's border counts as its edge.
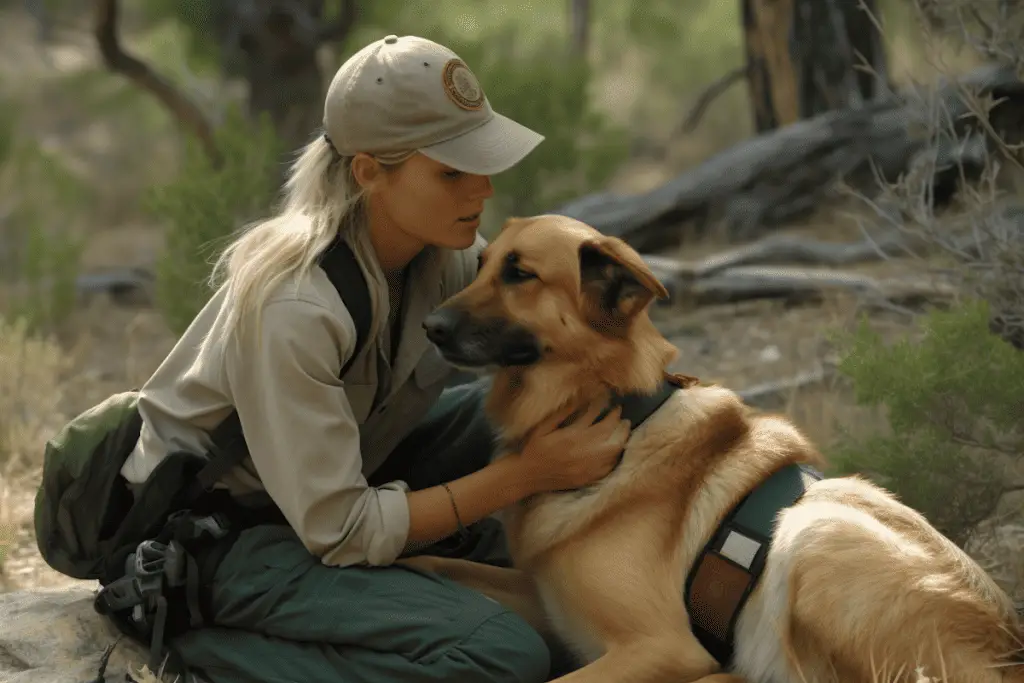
(669, 658)
(511, 587)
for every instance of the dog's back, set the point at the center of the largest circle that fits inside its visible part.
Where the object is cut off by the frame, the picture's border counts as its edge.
(860, 588)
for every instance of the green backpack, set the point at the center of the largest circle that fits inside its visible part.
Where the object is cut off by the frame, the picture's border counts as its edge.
(146, 548)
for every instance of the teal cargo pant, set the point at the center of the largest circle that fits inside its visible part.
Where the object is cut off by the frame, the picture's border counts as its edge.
(280, 616)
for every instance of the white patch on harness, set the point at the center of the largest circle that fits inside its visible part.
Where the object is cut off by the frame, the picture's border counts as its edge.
(740, 549)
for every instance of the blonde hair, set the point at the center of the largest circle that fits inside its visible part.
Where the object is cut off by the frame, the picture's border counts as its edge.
(320, 198)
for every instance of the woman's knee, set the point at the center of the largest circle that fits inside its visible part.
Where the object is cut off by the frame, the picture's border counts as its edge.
(502, 649)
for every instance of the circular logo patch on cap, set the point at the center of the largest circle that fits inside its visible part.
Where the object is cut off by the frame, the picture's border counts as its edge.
(461, 85)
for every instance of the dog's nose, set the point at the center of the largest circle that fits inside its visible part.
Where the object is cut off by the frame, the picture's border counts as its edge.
(440, 326)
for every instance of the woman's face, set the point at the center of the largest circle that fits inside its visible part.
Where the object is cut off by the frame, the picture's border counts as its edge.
(423, 202)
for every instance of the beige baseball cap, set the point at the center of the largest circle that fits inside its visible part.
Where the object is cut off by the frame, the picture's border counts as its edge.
(407, 93)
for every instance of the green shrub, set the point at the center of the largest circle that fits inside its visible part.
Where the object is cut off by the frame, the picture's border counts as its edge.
(40, 200)
(205, 205)
(955, 401)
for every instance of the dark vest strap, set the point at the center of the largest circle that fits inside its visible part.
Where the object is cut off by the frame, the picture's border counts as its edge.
(342, 269)
(729, 566)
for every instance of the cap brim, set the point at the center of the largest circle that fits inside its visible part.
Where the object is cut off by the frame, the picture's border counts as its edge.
(496, 146)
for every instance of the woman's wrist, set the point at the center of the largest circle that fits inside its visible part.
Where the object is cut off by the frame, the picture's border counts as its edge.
(522, 479)
(436, 512)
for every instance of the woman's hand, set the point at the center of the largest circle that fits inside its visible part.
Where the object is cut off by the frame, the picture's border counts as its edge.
(574, 456)
(553, 459)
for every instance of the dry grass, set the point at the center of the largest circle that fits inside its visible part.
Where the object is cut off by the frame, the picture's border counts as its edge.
(44, 381)
(31, 370)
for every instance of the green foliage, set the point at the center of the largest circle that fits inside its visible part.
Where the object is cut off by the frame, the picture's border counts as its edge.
(200, 18)
(41, 198)
(533, 81)
(545, 89)
(205, 204)
(955, 401)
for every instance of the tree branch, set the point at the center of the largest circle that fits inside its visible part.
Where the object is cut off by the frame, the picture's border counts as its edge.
(710, 94)
(117, 60)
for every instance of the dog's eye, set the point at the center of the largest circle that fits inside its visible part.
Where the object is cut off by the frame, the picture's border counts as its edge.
(513, 274)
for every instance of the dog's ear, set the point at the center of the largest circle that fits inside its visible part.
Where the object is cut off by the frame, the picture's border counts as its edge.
(615, 282)
(512, 222)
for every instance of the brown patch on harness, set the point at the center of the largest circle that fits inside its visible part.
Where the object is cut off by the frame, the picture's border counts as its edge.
(717, 588)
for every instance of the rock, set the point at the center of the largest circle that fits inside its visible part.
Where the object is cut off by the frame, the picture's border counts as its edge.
(999, 549)
(55, 636)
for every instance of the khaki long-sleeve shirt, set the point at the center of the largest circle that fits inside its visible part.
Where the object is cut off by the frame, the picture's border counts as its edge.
(313, 438)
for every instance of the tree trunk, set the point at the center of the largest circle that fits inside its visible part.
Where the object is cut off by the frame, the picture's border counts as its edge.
(288, 87)
(272, 45)
(579, 19)
(805, 57)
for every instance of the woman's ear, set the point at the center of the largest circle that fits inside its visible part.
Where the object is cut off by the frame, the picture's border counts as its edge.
(367, 171)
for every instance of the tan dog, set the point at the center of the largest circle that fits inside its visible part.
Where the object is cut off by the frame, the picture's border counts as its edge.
(856, 586)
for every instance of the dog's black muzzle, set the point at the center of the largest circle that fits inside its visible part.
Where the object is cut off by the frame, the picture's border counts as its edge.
(468, 341)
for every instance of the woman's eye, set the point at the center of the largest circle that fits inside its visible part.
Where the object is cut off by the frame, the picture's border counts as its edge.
(452, 174)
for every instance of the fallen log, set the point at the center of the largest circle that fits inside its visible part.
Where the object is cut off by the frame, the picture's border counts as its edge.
(785, 249)
(126, 286)
(783, 175)
(744, 283)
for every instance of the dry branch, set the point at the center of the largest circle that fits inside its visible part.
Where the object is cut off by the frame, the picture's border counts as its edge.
(783, 175)
(184, 110)
(770, 268)
(773, 395)
(785, 249)
(801, 284)
(710, 93)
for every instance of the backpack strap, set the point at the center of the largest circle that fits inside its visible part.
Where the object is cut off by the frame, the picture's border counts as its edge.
(342, 269)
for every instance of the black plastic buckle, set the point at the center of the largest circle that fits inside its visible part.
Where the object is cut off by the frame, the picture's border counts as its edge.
(187, 527)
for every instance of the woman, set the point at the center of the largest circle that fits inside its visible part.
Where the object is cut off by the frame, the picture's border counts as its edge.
(371, 466)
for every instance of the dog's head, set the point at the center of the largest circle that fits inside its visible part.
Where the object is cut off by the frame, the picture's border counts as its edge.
(553, 295)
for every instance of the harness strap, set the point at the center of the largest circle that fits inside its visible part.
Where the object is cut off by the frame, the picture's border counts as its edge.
(728, 568)
(339, 263)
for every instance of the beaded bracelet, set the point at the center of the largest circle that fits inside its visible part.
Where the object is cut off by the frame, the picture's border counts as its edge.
(463, 532)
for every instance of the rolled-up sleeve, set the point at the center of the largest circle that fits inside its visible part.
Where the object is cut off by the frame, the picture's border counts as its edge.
(304, 439)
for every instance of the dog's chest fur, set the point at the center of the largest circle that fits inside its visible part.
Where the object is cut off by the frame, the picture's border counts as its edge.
(557, 536)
